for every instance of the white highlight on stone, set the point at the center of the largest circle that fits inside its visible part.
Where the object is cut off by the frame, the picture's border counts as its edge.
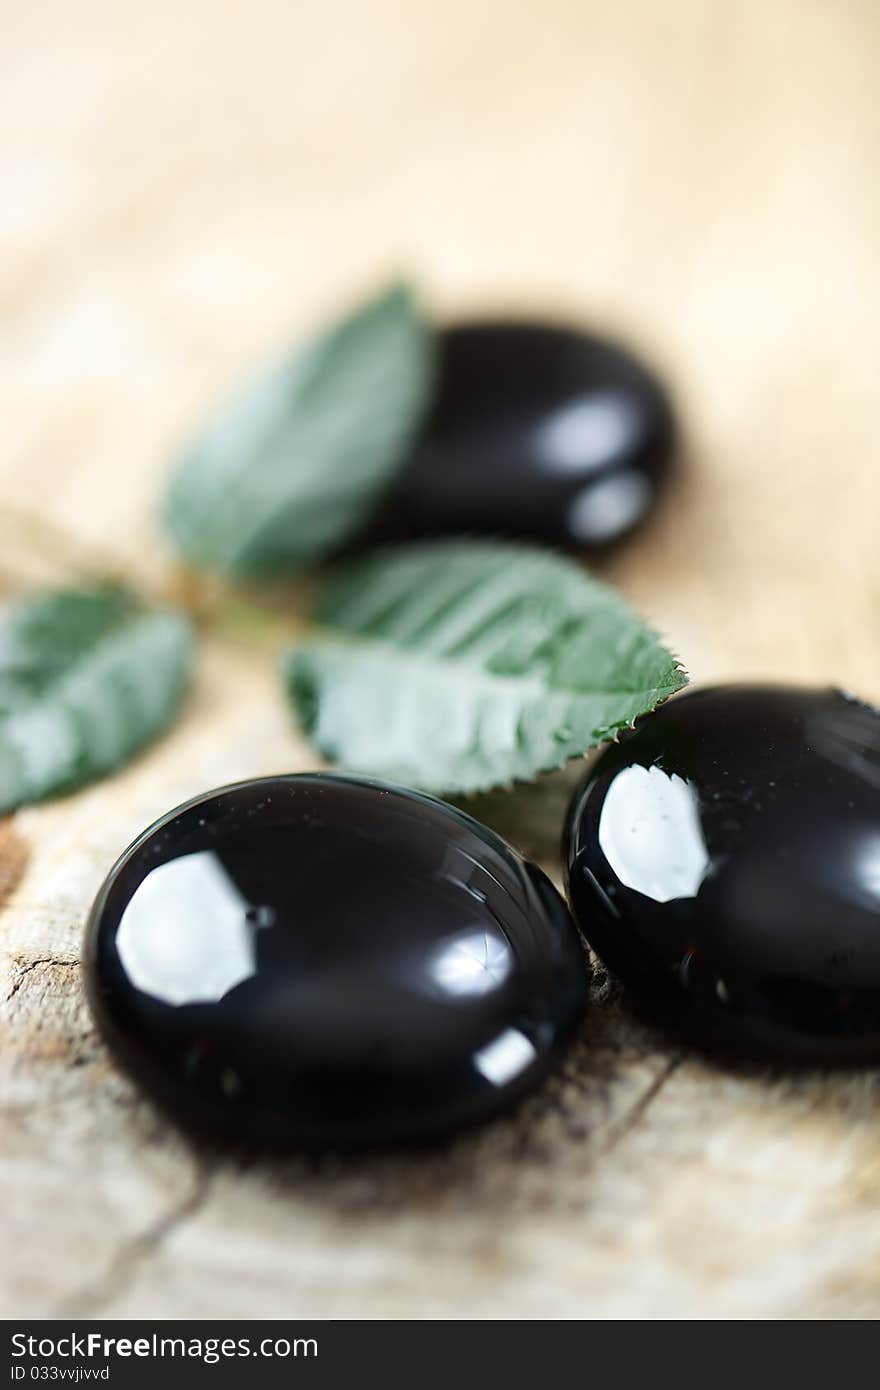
(505, 1057)
(650, 833)
(184, 937)
(605, 508)
(587, 433)
(472, 963)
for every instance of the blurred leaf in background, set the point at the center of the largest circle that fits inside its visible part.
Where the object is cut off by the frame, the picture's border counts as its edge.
(294, 464)
(87, 677)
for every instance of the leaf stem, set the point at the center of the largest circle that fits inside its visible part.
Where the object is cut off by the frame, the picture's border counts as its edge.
(253, 625)
(41, 541)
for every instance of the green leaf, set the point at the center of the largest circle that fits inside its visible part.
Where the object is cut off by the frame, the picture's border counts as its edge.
(87, 677)
(295, 463)
(458, 666)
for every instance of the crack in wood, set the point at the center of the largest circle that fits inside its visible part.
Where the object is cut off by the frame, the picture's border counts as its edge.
(633, 1117)
(55, 961)
(127, 1260)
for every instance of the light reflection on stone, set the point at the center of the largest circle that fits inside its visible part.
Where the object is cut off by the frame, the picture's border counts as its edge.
(869, 869)
(505, 1057)
(472, 963)
(184, 937)
(605, 508)
(650, 833)
(586, 433)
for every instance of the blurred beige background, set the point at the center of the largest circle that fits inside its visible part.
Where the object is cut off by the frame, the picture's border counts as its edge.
(188, 186)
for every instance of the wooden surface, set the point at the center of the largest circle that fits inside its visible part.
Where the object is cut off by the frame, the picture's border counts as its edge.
(187, 186)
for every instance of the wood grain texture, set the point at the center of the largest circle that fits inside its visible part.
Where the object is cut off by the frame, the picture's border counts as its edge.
(186, 187)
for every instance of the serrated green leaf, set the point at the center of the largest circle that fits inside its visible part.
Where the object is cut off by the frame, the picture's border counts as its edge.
(459, 666)
(295, 463)
(87, 677)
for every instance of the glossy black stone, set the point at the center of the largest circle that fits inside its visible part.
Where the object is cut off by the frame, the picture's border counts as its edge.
(537, 432)
(724, 860)
(330, 962)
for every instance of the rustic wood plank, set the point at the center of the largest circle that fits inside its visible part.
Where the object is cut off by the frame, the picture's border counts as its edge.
(184, 188)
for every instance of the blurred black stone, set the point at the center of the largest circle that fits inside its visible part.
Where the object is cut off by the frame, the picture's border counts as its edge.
(537, 433)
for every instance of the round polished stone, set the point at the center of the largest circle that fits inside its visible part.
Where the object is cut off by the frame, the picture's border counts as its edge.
(331, 962)
(537, 432)
(724, 860)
